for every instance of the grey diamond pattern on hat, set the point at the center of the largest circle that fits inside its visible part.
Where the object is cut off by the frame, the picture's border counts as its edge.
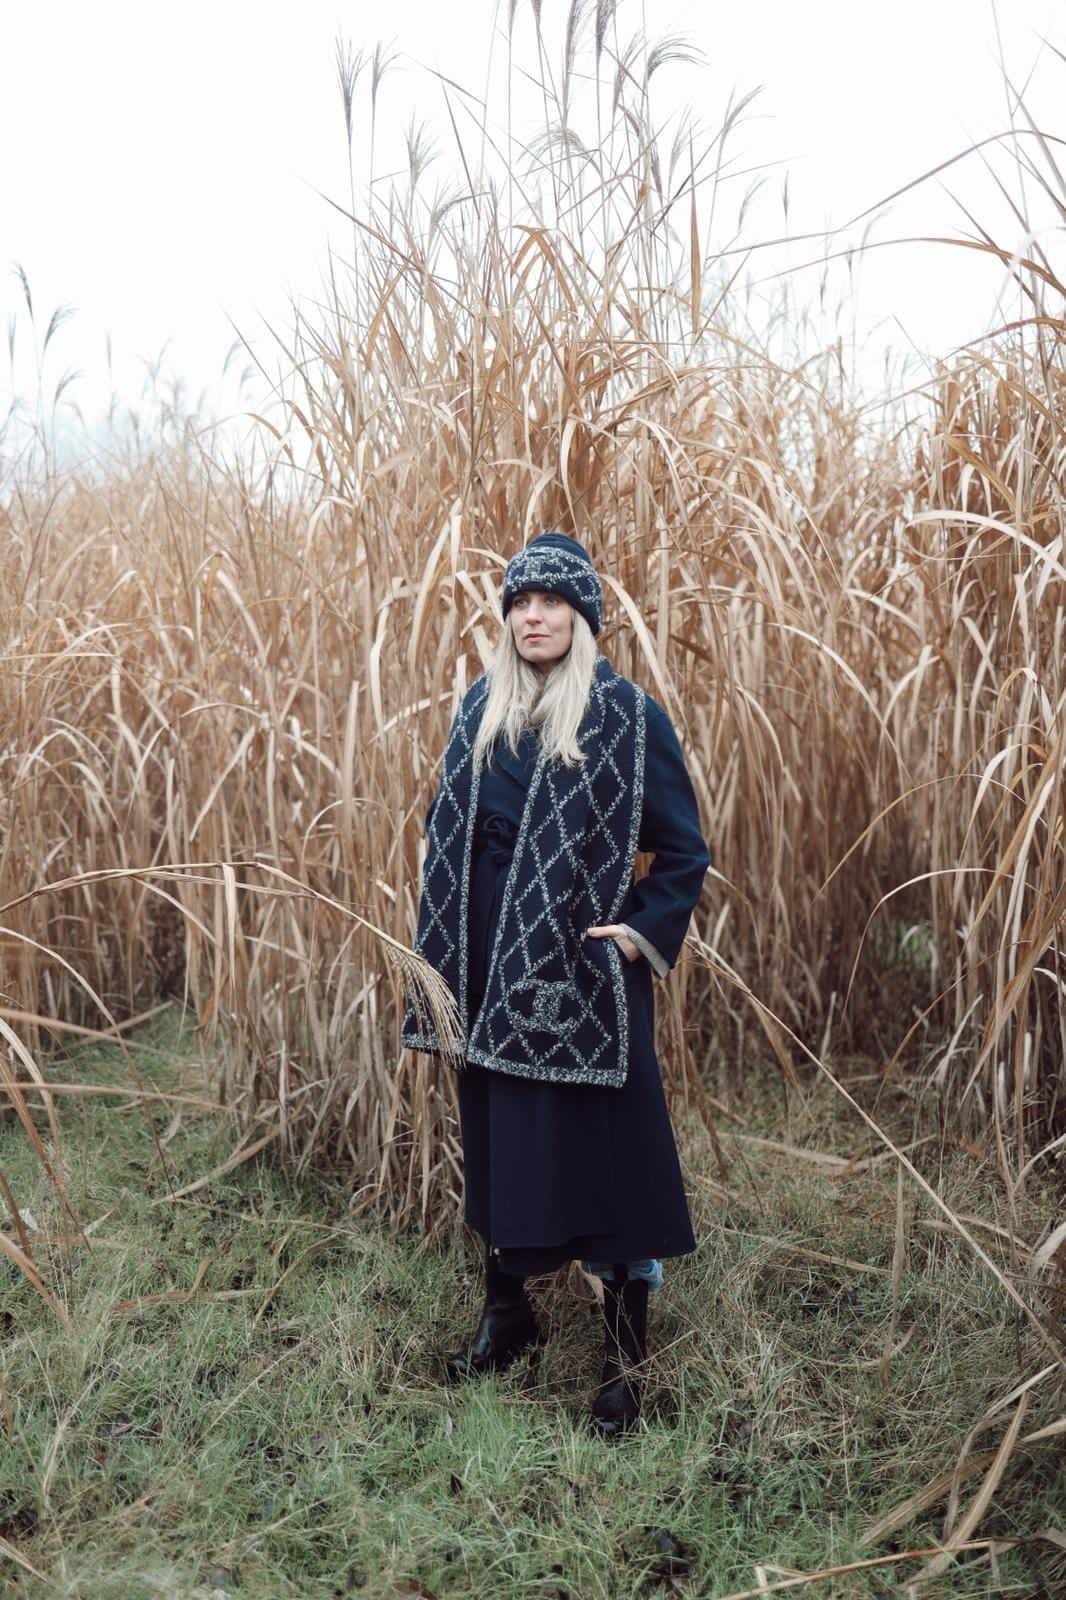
(557, 564)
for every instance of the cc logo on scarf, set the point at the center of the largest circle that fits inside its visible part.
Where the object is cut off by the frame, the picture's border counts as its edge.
(555, 1008)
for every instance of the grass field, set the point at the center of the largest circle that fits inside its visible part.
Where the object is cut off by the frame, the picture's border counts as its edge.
(247, 1400)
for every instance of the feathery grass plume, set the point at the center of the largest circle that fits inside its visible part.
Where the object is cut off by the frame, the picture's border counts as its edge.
(605, 10)
(350, 64)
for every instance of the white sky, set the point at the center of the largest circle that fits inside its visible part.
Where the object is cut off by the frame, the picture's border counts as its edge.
(162, 163)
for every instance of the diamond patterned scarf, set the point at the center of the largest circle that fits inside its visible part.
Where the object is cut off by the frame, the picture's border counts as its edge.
(555, 1004)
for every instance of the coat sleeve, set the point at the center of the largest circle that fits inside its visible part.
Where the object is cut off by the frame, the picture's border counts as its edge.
(660, 905)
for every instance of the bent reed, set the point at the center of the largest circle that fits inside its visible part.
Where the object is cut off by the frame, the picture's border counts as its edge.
(225, 685)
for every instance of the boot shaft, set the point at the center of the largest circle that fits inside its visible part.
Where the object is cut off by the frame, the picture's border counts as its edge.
(502, 1289)
(625, 1316)
(616, 1407)
(507, 1327)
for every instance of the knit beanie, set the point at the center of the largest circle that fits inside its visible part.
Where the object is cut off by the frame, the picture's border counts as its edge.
(556, 564)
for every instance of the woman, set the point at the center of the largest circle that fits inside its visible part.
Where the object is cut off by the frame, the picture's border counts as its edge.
(557, 771)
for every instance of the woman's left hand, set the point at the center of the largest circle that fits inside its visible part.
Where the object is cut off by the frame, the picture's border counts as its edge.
(612, 930)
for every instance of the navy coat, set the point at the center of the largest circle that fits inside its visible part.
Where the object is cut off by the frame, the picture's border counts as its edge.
(562, 1170)
(555, 1004)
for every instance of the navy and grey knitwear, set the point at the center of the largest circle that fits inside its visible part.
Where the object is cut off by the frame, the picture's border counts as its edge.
(556, 564)
(556, 1004)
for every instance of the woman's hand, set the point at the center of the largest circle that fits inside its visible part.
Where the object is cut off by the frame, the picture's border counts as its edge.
(612, 930)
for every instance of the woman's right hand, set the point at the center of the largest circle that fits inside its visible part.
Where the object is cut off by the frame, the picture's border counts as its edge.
(612, 930)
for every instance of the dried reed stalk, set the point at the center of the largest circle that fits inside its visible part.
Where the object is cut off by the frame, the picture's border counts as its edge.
(253, 664)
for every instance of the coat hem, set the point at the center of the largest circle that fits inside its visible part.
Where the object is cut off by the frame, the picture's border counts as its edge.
(603, 1077)
(429, 1044)
(418, 1041)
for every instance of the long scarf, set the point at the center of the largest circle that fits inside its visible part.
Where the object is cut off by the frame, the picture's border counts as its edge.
(555, 1001)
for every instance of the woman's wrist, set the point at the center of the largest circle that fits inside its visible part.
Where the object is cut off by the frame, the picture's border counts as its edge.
(655, 959)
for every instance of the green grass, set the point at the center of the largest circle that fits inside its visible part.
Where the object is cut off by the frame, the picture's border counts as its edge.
(299, 1443)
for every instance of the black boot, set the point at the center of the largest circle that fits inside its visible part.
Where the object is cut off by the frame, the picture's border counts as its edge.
(507, 1327)
(616, 1406)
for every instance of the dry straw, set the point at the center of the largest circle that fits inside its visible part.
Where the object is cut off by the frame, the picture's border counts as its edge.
(225, 688)
(856, 626)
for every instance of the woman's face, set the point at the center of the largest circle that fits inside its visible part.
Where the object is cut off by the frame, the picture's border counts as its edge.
(543, 626)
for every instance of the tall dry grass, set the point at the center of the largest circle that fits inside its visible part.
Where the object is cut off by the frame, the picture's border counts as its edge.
(225, 685)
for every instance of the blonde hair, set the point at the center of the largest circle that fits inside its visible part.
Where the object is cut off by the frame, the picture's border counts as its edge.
(553, 702)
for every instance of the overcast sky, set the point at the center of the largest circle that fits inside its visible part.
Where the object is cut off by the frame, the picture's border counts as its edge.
(164, 164)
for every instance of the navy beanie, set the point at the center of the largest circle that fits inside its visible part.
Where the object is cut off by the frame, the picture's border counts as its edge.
(556, 564)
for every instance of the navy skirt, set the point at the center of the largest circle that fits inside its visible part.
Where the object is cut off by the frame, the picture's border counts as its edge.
(563, 1171)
